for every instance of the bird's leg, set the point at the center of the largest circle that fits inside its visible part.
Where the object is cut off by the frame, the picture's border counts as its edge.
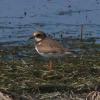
(50, 65)
(50, 71)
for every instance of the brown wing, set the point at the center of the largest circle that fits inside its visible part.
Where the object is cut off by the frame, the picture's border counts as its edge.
(49, 45)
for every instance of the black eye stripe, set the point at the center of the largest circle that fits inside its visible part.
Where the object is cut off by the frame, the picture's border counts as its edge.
(38, 35)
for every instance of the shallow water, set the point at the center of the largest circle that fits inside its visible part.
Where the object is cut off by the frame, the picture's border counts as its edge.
(53, 17)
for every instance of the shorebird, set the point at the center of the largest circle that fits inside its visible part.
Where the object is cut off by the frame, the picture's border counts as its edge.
(48, 47)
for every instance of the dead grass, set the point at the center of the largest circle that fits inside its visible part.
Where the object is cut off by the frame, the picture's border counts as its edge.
(21, 72)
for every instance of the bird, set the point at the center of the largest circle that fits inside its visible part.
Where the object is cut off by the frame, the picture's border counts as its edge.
(48, 47)
(94, 95)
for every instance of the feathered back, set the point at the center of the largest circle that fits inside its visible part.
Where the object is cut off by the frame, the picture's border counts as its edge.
(50, 45)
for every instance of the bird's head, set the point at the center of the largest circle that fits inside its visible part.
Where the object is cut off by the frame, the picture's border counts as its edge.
(38, 36)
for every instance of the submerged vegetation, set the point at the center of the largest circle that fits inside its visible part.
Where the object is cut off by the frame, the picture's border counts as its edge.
(24, 72)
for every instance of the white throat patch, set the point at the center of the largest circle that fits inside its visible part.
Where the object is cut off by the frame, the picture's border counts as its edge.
(38, 39)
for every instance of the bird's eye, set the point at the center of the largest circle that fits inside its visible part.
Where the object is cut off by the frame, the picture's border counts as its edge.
(38, 35)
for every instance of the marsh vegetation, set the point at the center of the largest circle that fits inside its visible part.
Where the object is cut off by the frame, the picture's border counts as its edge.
(24, 72)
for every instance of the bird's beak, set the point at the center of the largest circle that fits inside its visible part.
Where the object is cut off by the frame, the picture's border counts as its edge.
(31, 38)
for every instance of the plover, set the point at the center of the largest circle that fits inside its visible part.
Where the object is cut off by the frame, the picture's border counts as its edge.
(49, 47)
